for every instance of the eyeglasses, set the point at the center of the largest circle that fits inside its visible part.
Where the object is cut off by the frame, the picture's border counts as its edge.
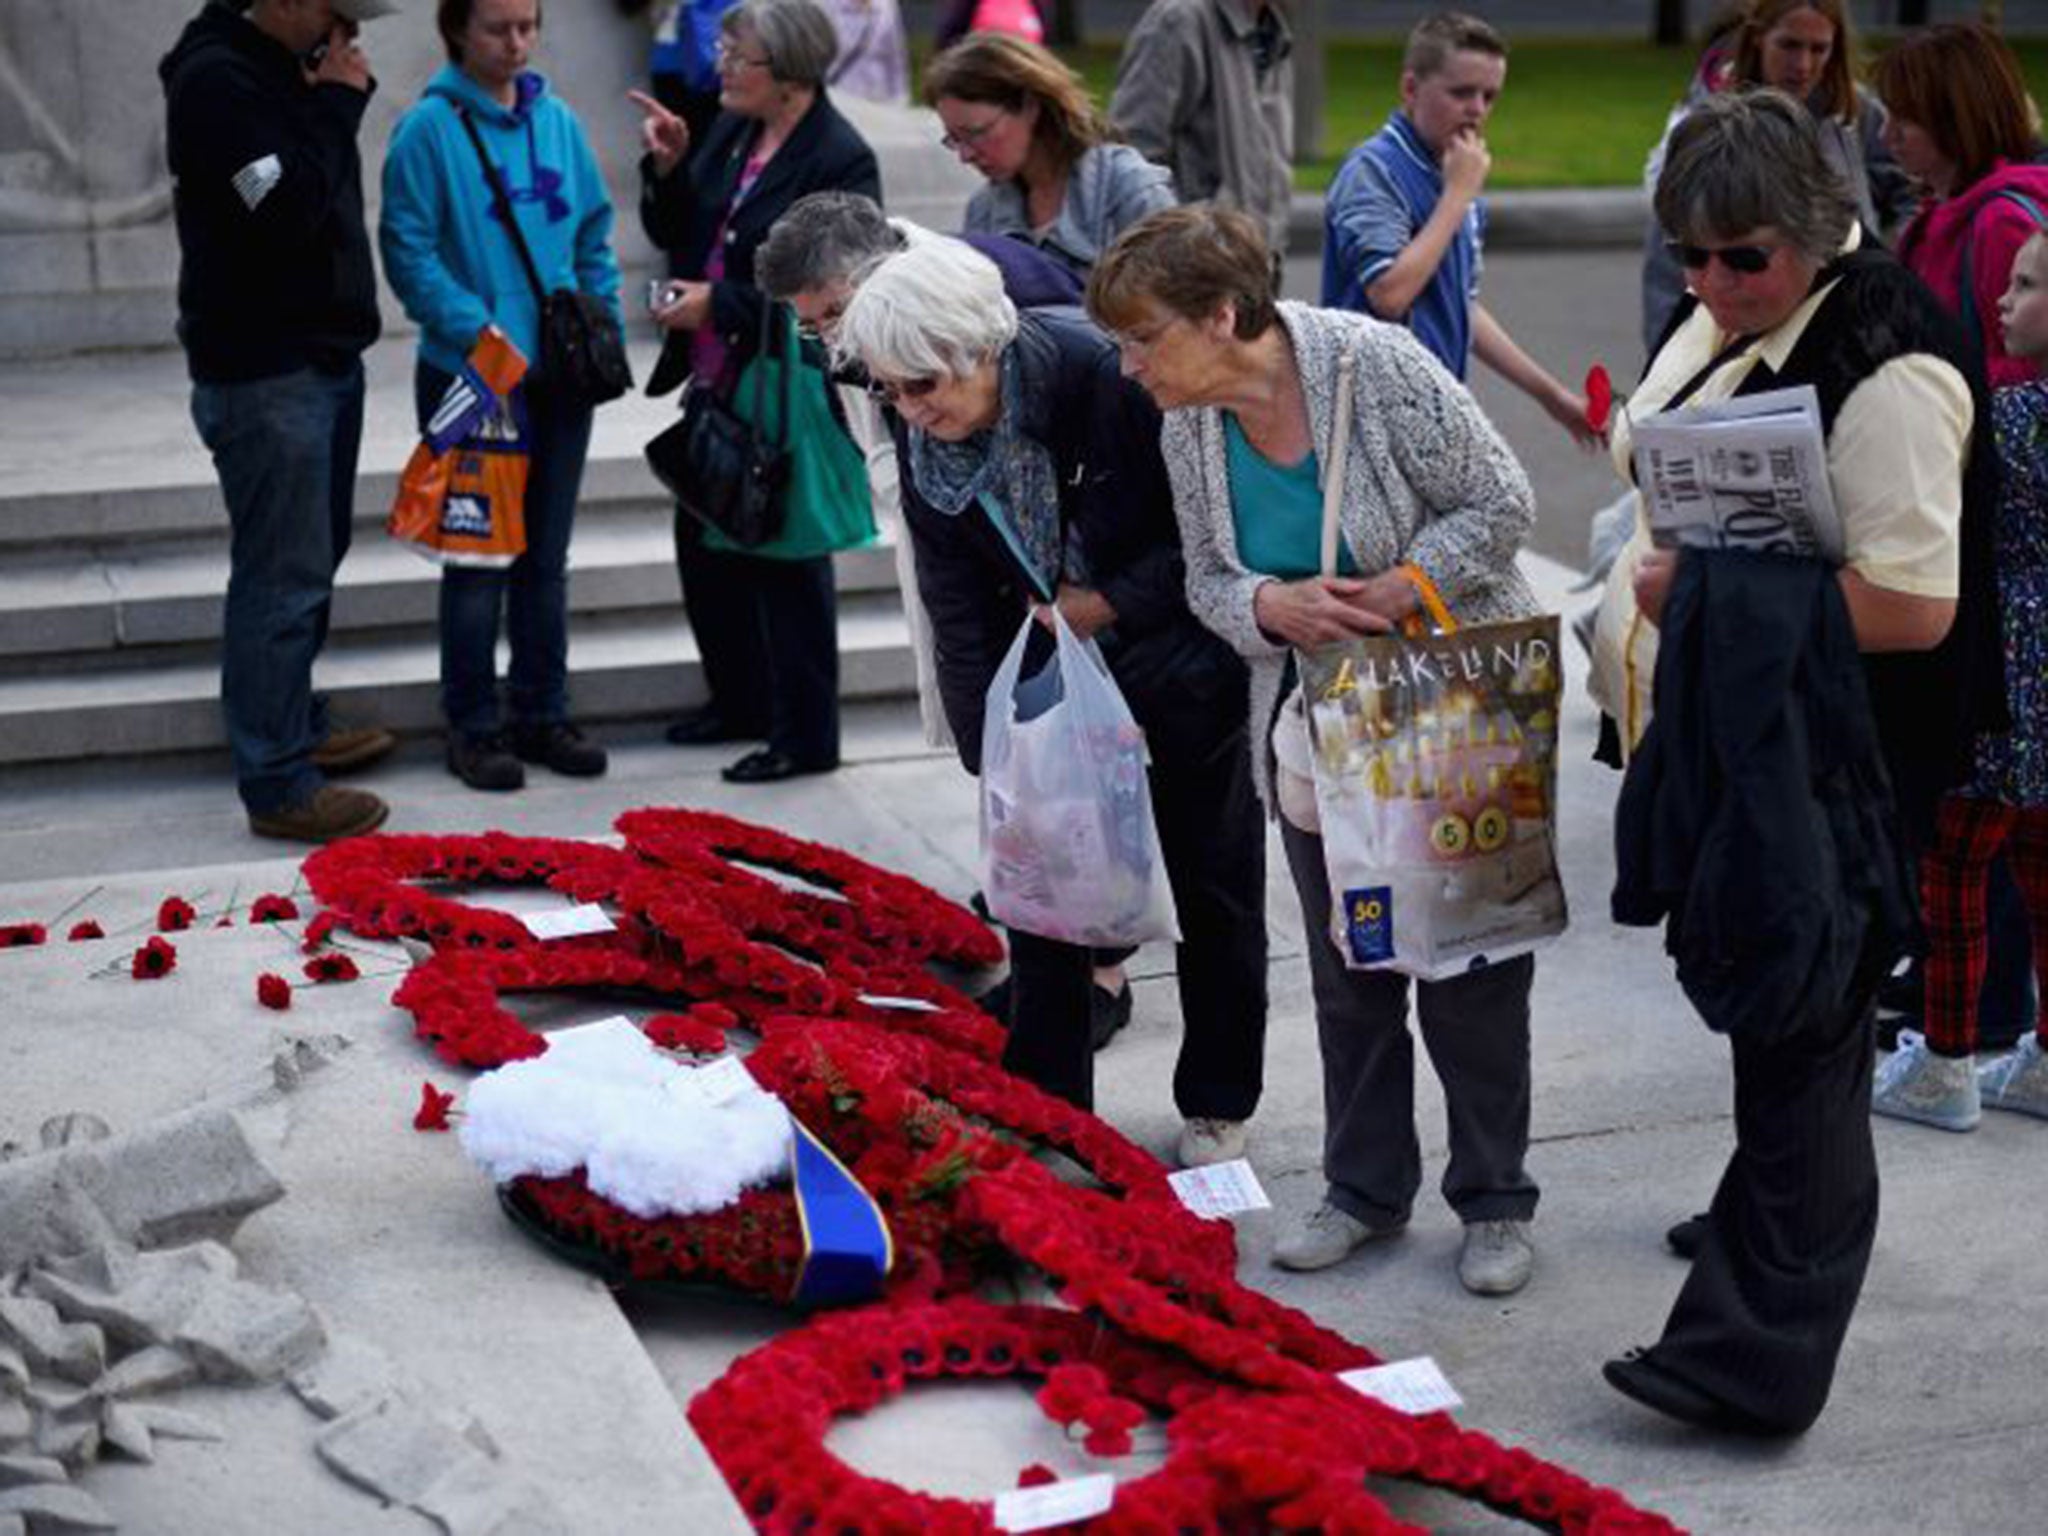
(821, 329)
(1747, 260)
(960, 137)
(890, 391)
(729, 57)
(1147, 338)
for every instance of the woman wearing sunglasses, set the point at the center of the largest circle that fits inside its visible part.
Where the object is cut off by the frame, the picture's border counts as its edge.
(1031, 477)
(766, 629)
(1783, 950)
(1023, 119)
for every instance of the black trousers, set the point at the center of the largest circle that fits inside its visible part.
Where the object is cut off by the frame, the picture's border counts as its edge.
(1213, 836)
(1760, 1320)
(768, 634)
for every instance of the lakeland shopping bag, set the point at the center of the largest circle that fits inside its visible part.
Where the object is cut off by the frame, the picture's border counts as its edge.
(1435, 763)
(1435, 767)
(462, 495)
(1069, 849)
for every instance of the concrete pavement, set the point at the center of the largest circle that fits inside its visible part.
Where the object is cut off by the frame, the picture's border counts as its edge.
(1937, 1423)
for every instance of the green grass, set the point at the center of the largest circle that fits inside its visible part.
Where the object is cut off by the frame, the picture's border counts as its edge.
(1576, 112)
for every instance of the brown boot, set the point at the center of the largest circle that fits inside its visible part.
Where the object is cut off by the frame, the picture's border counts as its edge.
(331, 812)
(348, 748)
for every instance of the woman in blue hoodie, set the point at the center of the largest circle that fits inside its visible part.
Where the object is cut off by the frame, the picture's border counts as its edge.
(457, 270)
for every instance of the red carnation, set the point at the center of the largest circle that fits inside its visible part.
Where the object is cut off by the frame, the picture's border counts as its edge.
(174, 915)
(317, 930)
(432, 1114)
(1599, 397)
(331, 967)
(272, 908)
(85, 928)
(1037, 1475)
(157, 958)
(21, 935)
(273, 991)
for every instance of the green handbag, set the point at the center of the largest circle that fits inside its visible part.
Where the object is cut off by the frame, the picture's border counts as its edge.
(826, 502)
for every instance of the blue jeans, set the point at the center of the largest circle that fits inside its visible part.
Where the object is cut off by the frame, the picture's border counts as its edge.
(285, 451)
(532, 592)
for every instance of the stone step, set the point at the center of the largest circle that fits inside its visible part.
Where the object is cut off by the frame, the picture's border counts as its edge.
(181, 498)
(624, 665)
(107, 596)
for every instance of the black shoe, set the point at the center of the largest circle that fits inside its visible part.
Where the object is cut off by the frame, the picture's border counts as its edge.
(1686, 1238)
(482, 762)
(1637, 1376)
(1108, 1012)
(768, 766)
(561, 747)
(705, 727)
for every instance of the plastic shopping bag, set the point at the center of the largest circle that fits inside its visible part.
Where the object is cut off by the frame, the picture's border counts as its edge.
(1069, 849)
(462, 495)
(1435, 763)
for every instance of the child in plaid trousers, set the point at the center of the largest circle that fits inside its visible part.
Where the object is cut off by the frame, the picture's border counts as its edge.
(1933, 1077)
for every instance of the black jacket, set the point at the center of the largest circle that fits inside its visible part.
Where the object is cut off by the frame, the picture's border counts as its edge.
(1757, 816)
(682, 213)
(1103, 432)
(277, 272)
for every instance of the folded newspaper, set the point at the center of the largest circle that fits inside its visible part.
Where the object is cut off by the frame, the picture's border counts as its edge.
(1749, 472)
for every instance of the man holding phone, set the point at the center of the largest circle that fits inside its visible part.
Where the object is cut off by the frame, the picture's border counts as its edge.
(277, 301)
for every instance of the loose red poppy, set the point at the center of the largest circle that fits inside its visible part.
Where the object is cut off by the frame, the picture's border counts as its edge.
(175, 915)
(273, 991)
(1599, 397)
(272, 908)
(157, 958)
(85, 928)
(331, 967)
(432, 1114)
(21, 935)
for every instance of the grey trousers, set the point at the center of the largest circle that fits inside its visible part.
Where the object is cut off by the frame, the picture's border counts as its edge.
(1476, 1029)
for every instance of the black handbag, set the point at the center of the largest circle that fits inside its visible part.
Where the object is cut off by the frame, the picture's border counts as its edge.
(721, 468)
(582, 349)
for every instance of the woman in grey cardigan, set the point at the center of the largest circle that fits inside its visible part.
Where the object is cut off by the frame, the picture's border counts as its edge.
(1248, 388)
(1023, 119)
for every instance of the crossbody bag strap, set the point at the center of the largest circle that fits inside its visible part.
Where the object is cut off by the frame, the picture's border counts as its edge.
(1333, 461)
(503, 200)
(762, 342)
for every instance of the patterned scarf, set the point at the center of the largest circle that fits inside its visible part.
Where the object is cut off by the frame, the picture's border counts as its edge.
(1005, 471)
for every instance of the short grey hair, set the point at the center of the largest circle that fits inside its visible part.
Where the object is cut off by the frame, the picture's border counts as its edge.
(935, 310)
(1745, 160)
(797, 37)
(825, 238)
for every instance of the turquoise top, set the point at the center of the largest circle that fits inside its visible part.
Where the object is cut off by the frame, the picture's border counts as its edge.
(1284, 535)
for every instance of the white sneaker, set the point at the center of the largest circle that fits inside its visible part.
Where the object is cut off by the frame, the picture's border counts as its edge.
(2018, 1080)
(1496, 1258)
(1326, 1236)
(1204, 1141)
(1915, 1084)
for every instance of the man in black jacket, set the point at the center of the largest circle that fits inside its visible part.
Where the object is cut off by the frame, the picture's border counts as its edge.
(277, 302)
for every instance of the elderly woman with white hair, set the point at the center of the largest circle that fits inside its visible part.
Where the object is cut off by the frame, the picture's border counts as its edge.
(1031, 477)
(766, 629)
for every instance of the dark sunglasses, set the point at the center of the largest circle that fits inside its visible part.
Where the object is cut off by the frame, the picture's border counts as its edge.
(1748, 260)
(909, 389)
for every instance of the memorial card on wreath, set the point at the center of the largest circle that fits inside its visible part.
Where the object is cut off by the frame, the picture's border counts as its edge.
(1745, 473)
